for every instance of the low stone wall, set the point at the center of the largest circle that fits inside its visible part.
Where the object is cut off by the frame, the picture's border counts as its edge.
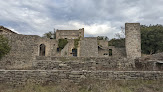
(80, 63)
(71, 63)
(21, 77)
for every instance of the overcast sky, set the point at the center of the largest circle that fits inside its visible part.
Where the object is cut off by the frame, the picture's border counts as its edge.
(98, 17)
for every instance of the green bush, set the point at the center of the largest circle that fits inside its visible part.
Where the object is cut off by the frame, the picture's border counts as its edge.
(50, 34)
(4, 47)
(152, 39)
(62, 43)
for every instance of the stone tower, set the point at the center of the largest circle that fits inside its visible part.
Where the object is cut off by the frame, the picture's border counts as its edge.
(133, 40)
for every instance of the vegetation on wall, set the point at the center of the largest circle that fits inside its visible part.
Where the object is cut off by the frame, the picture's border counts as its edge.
(76, 43)
(62, 43)
(4, 47)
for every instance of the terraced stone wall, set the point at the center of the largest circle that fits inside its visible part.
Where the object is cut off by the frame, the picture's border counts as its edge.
(21, 77)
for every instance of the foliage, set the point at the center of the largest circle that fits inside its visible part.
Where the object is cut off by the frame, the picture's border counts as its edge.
(62, 43)
(50, 34)
(117, 42)
(120, 40)
(102, 38)
(121, 34)
(4, 47)
(76, 43)
(152, 39)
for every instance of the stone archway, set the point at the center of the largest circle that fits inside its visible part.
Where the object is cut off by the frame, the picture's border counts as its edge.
(42, 50)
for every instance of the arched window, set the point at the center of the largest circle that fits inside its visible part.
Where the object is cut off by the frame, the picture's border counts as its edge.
(42, 50)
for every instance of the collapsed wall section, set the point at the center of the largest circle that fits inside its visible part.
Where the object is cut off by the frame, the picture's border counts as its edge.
(67, 50)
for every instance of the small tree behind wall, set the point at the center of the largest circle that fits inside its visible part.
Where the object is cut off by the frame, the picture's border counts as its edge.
(4, 47)
(50, 34)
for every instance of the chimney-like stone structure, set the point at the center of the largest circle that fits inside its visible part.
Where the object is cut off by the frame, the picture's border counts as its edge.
(133, 40)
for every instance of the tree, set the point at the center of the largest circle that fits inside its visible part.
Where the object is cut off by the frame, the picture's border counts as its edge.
(120, 40)
(152, 39)
(50, 34)
(4, 47)
(121, 34)
(117, 42)
(102, 38)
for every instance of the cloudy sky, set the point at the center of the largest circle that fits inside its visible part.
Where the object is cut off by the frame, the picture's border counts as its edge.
(98, 17)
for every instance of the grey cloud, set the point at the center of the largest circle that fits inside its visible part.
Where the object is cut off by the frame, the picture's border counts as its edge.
(40, 16)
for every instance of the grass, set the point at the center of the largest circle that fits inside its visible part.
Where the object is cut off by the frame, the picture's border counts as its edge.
(91, 85)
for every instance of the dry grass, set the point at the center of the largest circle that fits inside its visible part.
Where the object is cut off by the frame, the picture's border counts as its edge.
(92, 85)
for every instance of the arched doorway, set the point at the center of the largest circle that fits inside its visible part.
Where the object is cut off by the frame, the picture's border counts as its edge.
(42, 50)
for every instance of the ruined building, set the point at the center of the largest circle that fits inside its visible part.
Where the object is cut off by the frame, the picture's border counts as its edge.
(71, 56)
(26, 48)
(77, 46)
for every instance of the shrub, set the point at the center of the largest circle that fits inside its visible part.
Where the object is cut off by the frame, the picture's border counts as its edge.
(4, 47)
(62, 43)
(76, 43)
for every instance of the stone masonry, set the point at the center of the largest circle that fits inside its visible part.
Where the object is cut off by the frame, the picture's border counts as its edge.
(133, 40)
(69, 34)
(21, 77)
(95, 59)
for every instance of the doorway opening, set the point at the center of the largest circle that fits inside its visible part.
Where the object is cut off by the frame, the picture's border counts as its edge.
(42, 50)
(74, 52)
(110, 52)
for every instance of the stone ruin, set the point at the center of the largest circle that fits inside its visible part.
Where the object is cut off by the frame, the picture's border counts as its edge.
(34, 57)
(86, 47)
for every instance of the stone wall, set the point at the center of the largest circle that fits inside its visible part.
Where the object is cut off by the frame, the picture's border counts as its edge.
(115, 52)
(69, 34)
(103, 43)
(67, 50)
(81, 33)
(88, 47)
(25, 48)
(21, 77)
(5, 31)
(80, 63)
(133, 40)
(118, 52)
(149, 65)
(103, 52)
